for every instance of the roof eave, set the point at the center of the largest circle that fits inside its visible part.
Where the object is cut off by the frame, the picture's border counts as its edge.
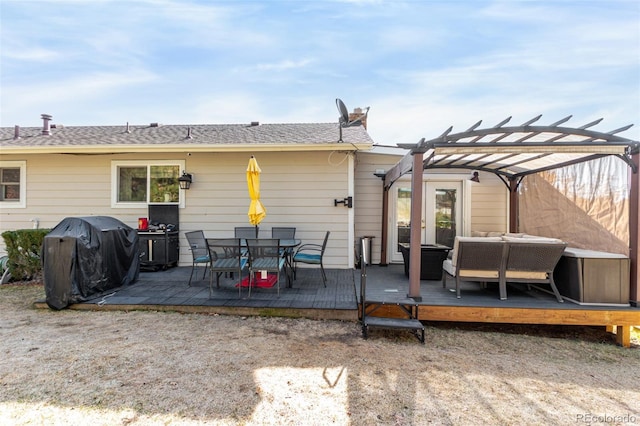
(184, 147)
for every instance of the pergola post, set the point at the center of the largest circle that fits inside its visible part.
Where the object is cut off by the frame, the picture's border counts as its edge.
(416, 228)
(513, 205)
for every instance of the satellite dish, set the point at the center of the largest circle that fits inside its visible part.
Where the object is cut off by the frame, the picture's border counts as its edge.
(344, 117)
(344, 112)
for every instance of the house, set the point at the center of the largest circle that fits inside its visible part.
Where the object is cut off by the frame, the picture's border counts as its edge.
(316, 176)
(308, 172)
(55, 171)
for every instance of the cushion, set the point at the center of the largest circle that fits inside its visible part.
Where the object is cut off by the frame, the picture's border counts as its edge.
(479, 233)
(527, 275)
(448, 267)
(531, 239)
(495, 234)
(515, 234)
(472, 273)
(307, 258)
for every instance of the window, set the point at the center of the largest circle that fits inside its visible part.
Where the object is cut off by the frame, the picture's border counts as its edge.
(139, 182)
(13, 184)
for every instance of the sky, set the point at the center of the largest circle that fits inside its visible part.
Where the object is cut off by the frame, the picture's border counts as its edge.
(420, 66)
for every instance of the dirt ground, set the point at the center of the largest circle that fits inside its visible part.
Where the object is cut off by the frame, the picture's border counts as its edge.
(156, 368)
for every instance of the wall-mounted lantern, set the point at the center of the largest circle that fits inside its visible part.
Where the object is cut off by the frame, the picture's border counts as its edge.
(185, 180)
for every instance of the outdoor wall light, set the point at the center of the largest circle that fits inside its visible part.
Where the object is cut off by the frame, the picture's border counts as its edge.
(347, 202)
(475, 177)
(185, 180)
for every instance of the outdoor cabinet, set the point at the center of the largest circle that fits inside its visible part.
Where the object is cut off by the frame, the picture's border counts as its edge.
(158, 250)
(592, 277)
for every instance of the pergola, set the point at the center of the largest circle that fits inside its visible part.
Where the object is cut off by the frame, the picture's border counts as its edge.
(512, 153)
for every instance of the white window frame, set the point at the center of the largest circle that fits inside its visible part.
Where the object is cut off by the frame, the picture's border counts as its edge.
(115, 165)
(23, 185)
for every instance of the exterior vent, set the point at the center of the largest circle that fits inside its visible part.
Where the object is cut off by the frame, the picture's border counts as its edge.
(57, 126)
(189, 136)
(255, 123)
(16, 132)
(46, 128)
(154, 125)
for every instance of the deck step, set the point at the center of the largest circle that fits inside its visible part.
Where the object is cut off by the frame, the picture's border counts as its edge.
(393, 323)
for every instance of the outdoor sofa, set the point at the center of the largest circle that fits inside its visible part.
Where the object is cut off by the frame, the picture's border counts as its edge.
(507, 258)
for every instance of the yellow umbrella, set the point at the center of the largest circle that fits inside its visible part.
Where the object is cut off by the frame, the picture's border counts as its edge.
(257, 211)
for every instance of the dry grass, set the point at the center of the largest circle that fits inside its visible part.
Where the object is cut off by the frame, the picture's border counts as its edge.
(153, 368)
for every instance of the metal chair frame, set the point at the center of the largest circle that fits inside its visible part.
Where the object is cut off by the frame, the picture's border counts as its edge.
(199, 251)
(265, 254)
(226, 256)
(312, 254)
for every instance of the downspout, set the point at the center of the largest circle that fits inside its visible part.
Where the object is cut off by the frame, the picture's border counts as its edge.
(384, 234)
(416, 228)
(634, 233)
(351, 211)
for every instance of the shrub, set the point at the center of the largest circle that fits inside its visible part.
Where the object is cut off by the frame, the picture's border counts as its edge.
(23, 248)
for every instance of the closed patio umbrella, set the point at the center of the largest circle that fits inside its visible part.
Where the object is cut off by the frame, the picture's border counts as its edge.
(257, 211)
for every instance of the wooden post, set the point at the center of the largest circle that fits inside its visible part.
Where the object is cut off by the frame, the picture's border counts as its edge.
(513, 205)
(416, 228)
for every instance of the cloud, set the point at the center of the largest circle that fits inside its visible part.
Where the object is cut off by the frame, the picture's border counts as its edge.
(420, 66)
(284, 65)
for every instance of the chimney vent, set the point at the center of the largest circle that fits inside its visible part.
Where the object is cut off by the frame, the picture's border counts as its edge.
(359, 114)
(16, 132)
(189, 133)
(46, 128)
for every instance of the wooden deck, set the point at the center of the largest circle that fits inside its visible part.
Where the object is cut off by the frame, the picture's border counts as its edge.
(168, 290)
(478, 304)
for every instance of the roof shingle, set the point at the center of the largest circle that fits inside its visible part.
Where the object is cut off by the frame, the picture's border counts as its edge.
(201, 135)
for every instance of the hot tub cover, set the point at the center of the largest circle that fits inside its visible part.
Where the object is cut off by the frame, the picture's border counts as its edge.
(83, 257)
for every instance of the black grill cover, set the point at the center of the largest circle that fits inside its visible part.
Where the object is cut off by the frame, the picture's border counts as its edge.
(85, 256)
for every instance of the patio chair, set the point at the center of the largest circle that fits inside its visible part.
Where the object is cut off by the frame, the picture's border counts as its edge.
(245, 232)
(475, 259)
(532, 263)
(283, 232)
(311, 254)
(264, 255)
(226, 256)
(199, 251)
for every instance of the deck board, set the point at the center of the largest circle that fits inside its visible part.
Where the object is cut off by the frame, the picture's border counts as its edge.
(168, 290)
